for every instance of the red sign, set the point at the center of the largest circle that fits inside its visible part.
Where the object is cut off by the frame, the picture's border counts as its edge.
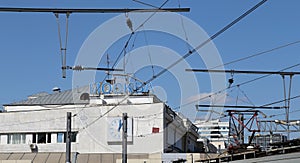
(155, 130)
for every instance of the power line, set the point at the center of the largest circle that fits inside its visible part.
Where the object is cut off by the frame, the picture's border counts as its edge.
(237, 85)
(276, 102)
(132, 33)
(144, 3)
(209, 40)
(258, 54)
(186, 55)
(274, 115)
(255, 79)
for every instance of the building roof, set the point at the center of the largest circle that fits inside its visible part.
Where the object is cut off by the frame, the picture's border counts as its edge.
(56, 98)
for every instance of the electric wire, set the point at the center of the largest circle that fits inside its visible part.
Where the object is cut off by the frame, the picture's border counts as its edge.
(274, 115)
(280, 101)
(126, 44)
(148, 52)
(146, 4)
(258, 54)
(245, 95)
(264, 76)
(184, 30)
(186, 55)
(132, 33)
(132, 47)
(142, 24)
(244, 83)
(209, 39)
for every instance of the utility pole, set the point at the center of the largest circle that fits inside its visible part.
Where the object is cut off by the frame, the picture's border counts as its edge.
(68, 138)
(124, 139)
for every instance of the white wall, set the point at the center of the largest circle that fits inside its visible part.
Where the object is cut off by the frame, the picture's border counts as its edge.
(92, 131)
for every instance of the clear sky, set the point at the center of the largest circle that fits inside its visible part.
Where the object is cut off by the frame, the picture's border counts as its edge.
(30, 61)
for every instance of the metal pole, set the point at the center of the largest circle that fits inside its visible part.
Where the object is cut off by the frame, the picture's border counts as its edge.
(241, 128)
(124, 139)
(68, 138)
(288, 107)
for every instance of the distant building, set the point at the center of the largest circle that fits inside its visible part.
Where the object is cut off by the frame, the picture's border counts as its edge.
(214, 131)
(38, 124)
(264, 141)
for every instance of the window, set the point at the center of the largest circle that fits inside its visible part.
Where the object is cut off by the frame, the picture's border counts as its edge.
(16, 139)
(60, 137)
(73, 136)
(49, 138)
(41, 138)
(33, 138)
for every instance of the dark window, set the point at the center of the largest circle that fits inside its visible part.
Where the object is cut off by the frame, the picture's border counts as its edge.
(41, 138)
(49, 138)
(65, 136)
(33, 138)
(217, 133)
(73, 136)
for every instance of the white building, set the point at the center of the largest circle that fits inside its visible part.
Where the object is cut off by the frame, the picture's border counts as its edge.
(215, 131)
(38, 125)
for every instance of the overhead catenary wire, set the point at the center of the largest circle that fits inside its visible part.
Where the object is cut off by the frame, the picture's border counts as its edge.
(68, 11)
(148, 52)
(116, 61)
(184, 30)
(130, 37)
(209, 39)
(255, 55)
(280, 101)
(146, 20)
(237, 85)
(258, 54)
(245, 95)
(186, 55)
(275, 115)
(144, 3)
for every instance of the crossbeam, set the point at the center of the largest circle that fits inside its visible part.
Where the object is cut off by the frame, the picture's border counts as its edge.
(74, 10)
(244, 72)
(243, 106)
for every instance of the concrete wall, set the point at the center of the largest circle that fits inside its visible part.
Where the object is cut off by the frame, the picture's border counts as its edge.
(93, 132)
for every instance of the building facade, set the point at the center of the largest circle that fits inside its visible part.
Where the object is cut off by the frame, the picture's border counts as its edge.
(214, 132)
(38, 124)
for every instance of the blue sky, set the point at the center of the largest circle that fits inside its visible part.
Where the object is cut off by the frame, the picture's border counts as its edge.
(30, 60)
